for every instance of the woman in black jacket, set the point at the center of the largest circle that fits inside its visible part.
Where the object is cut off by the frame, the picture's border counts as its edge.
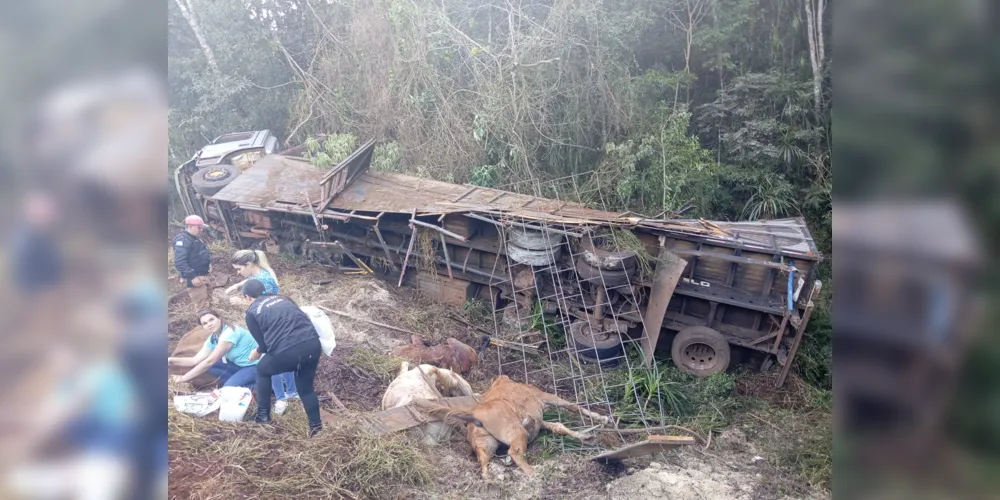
(288, 342)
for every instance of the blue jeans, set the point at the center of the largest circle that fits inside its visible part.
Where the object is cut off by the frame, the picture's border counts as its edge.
(232, 375)
(286, 379)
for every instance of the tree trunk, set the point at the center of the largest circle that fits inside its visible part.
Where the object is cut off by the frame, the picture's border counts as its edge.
(814, 25)
(188, 12)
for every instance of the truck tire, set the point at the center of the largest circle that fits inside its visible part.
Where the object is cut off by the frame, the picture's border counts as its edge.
(211, 180)
(700, 351)
(608, 261)
(604, 362)
(610, 279)
(602, 345)
(530, 239)
(535, 258)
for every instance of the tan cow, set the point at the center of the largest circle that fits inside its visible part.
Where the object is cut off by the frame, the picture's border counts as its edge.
(189, 345)
(450, 354)
(509, 413)
(425, 382)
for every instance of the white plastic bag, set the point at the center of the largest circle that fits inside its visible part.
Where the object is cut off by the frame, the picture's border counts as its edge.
(323, 326)
(199, 404)
(235, 402)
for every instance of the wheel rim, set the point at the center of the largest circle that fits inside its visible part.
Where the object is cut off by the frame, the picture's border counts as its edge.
(700, 356)
(216, 174)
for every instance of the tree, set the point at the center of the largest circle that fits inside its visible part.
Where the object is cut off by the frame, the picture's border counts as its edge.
(187, 10)
(817, 50)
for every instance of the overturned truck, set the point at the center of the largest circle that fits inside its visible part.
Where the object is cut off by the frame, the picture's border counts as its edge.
(693, 288)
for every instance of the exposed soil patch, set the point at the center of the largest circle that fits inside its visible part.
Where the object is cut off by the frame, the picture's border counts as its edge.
(356, 390)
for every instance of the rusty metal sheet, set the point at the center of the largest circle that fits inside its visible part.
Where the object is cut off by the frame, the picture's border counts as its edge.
(278, 182)
(274, 179)
(655, 444)
(784, 235)
(392, 192)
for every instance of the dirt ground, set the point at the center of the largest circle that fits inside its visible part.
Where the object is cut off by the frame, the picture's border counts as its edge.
(730, 468)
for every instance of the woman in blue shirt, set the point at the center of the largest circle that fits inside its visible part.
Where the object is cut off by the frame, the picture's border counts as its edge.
(226, 354)
(252, 264)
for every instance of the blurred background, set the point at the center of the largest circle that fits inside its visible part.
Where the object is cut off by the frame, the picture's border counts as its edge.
(83, 157)
(82, 306)
(916, 212)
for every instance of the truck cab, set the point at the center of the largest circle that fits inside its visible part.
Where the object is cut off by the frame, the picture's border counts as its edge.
(219, 163)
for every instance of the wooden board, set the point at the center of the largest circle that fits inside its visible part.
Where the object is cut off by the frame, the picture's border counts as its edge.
(443, 289)
(668, 273)
(404, 417)
(655, 444)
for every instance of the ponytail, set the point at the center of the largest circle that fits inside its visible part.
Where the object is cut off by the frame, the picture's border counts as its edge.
(262, 262)
(246, 257)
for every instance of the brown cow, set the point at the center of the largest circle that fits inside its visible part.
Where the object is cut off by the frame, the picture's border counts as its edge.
(510, 413)
(189, 345)
(450, 354)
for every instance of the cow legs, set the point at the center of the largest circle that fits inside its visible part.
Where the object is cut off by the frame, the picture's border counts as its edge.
(558, 428)
(553, 400)
(484, 445)
(518, 446)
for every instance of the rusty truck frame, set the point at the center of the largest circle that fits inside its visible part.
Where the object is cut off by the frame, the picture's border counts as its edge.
(752, 284)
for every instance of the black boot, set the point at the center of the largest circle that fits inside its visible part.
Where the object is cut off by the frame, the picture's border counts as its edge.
(263, 415)
(314, 429)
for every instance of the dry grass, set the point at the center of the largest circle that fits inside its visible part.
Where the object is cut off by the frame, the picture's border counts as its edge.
(277, 461)
(381, 366)
(424, 251)
(621, 240)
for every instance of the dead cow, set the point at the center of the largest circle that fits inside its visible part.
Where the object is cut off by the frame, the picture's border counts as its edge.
(189, 345)
(451, 354)
(509, 413)
(425, 382)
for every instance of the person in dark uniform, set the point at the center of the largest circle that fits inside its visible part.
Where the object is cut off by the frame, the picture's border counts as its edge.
(191, 256)
(288, 342)
(37, 267)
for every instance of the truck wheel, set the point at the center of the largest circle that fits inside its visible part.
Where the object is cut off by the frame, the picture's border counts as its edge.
(608, 261)
(530, 239)
(535, 258)
(700, 351)
(602, 277)
(211, 180)
(602, 345)
(605, 363)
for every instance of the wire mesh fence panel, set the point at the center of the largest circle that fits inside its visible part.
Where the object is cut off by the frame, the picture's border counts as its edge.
(583, 317)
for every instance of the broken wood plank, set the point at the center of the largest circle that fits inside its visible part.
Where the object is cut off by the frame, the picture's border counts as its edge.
(439, 229)
(336, 401)
(668, 273)
(467, 193)
(376, 323)
(798, 334)
(407, 417)
(385, 247)
(319, 225)
(655, 444)
(447, 258)
(413, 239)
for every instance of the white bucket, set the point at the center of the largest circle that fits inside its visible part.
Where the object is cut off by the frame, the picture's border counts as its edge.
(235, 402)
